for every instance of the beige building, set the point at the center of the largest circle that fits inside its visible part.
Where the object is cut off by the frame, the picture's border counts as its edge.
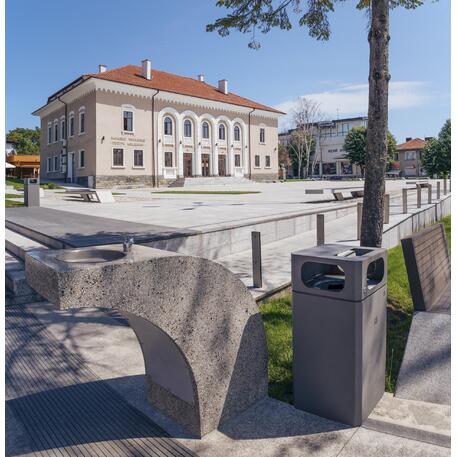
(408, 155)
(134, 126)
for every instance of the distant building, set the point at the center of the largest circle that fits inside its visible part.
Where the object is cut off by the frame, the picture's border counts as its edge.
(330, 158)
(409, 155)
(26, 166)
(10, 147)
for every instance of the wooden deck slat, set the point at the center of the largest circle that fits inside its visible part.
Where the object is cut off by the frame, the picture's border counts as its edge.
(65, 408)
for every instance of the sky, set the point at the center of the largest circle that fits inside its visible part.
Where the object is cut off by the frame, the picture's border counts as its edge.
(50, 43)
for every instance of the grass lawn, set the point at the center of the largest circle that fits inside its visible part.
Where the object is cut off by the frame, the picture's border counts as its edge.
(19, 184)
(277, 318)
(14, 196)
(13, 203)
(207, 192)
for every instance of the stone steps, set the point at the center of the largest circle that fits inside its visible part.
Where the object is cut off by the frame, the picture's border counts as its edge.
(18, 244)
(17, 290)
(216, 181)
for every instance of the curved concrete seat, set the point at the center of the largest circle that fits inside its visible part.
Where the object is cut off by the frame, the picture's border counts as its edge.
(200, 330)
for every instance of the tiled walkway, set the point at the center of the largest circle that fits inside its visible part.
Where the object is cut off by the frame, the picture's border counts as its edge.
(64, 408)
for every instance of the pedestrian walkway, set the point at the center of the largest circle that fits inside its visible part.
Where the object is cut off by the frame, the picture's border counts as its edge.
(62, 408)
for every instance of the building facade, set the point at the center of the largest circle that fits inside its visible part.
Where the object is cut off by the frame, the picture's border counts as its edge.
(329, 158)
(408, 155)
(134, 126)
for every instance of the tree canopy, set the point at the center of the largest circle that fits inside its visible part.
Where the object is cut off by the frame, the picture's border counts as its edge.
(436, 156)
(27, 140)
(248, 16)
(355, 146)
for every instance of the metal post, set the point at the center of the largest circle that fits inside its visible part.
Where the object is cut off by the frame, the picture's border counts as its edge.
(429, 194)
(405, 201)
(419, 195)
(359, 219)
(386, 208)
(438, 190)
(256, 259)
(445, 186)
(320, 228)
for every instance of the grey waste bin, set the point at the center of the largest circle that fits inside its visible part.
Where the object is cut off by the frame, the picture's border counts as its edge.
(339, 330)
(31, 192)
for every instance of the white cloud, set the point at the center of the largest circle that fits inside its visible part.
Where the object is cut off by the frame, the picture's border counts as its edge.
(352, 99)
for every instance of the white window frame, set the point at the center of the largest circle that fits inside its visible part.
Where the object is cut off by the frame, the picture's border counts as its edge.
(62, 128)
(49, 164)
(71, 117)
(165, 134)
(130, 109)
(79, 159)
(82, 112)
(257, 155)
(221, 124)
(186, 121)
(262, 128)
(236, 126)
(410, 155)
(267, 166)
(123, 158)
(142, 157)
(209, 131)
(49, 132)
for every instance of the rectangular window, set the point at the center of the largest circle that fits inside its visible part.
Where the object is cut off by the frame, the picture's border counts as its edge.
(257, 161)
(56, 163)
(410, 155)
(56, 132)
(72, 126)
(62, 130)
(82, 159)
(49, 164)
(82, 122)
(118, 157)
(329, 168)
(137, 158)
(49, 134)
(262, 135)
(128, 121)
(237, 160)
(267, 161)
(168, 159)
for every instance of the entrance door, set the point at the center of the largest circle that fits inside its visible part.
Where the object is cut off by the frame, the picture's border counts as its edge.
(221, 162)
(187, 164)
(70, 166)
(205, 164)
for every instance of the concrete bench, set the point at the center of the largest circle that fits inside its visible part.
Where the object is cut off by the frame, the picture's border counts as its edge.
(429, 269)
(356, 192)
(419, 183)
(94, 195)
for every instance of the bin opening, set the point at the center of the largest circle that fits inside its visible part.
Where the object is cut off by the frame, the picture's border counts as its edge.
(375, 272)
(353, 252)
(323, 276)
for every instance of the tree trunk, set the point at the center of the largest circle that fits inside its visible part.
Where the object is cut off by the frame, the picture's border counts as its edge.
(375, 166)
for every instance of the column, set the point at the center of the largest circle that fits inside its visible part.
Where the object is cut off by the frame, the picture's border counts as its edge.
(159, 159)
(198, 160)
(232, 162)
(180, 160)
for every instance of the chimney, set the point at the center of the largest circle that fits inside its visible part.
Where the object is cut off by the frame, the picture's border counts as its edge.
(223, 86)
(146, 69)
(101, 68)
(201, 78)
(408, 138)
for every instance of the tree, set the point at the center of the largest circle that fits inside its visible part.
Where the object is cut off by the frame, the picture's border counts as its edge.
(283, 159)
(355, 146)
(298, 143)
(27, 140)
(436, 156)
(248, 16)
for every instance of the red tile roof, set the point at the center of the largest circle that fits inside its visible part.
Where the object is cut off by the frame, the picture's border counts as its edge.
(416, 143)
(131, 74)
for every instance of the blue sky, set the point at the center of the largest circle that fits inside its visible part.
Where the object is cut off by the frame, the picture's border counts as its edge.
(50, 43)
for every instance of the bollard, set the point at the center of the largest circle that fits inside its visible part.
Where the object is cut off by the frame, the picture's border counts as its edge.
(256, 259)
(429, 194)
(320, 229)
(444, 186)
(359, 219)
(405, 201)
(419, 195)
(438, 190)
(386, 208)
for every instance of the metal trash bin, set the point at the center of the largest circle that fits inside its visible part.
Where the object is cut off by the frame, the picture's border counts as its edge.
(31, 192)
(339, 330)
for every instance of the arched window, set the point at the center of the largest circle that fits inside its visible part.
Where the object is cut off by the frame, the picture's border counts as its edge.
(236, 133)
(187, 128)
(167, 126)
(221, 131)
(205, 130)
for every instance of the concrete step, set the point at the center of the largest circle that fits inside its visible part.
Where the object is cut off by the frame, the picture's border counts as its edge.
(215, 181)
(18, 244)
(17, 289)
(415, 420)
